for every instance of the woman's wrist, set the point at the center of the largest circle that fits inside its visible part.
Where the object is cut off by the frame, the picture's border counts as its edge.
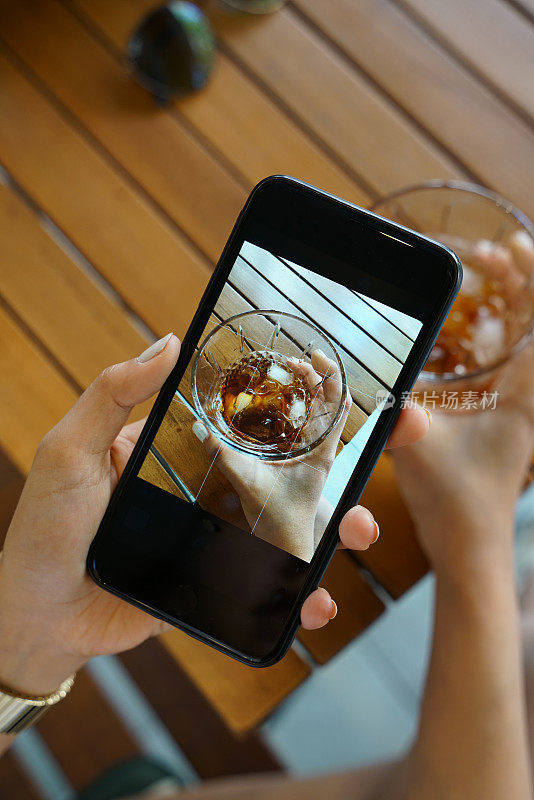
(30, 662)
(462, 541)
(35, 671)
(474, 555)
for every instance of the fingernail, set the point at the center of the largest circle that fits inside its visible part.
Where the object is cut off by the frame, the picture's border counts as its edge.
(429, 415)
(365, 511)
(377, 533)
(333, 611)
(319, 352)
(200, 431)
(153, 350)
(524, 239)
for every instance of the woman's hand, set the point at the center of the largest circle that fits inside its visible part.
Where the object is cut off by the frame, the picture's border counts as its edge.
(280, 498)
(461, 483)
(53, 617)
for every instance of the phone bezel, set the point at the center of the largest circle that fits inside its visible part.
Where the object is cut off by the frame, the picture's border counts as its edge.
(407, 377)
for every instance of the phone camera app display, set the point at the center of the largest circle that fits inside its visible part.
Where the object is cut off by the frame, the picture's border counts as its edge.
(285, 387)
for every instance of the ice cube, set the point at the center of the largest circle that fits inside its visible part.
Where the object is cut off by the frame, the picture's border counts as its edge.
(488, 339)
(278, 373)
(297, 411)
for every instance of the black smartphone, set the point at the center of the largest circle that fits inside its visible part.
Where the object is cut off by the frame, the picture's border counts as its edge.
(313, 328)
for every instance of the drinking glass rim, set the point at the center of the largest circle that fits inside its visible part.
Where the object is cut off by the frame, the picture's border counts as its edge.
(509, 208)
(266, 455)
(463, 186)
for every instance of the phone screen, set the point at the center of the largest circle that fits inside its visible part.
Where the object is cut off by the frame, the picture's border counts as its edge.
(317, 319)
(290, 376)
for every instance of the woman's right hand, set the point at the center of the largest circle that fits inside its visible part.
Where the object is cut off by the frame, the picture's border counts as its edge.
(462, 481)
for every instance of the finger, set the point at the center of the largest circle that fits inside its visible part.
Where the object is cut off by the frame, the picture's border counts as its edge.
(413, 423)
(121, 450)
(216, 450)
(521, 245)
(496, 262)
(211, 444)
(358, 529)
(317, 610)
(305, 371)
(97, 418)
(132, 431)
(122, 447)
(517, 382)
(331, 376)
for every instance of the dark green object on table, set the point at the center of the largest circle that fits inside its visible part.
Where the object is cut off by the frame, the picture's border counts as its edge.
(130, 778)
(172, 50)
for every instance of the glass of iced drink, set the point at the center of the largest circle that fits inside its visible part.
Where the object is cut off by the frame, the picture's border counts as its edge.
(492, 318)
(253, 384)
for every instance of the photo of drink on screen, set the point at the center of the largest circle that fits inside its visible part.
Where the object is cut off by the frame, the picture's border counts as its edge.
(277, 403)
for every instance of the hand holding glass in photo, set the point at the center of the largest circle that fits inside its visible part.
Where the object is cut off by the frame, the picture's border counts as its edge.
(272, 412)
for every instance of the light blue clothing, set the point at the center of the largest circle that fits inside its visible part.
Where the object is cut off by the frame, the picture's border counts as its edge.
(346, 460)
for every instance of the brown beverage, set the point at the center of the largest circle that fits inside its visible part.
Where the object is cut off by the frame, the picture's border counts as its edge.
(476, 330)
(264, 401)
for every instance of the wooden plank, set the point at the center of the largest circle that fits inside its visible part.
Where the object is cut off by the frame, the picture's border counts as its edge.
(234, 115)
(339, 105)
(153, 146)
(33, 398)
(243, 695)
(13, 780)
(396, 560)
(438, 92)
(84, 330)
(110, 223)
(358, 607)
(493, 38)
(85, 735)
(82, 327)
(213, 750)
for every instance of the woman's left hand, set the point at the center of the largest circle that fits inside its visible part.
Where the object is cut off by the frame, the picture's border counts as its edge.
(53, 617)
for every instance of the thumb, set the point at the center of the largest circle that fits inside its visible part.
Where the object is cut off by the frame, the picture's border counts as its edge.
(95, 421)
(517, 382)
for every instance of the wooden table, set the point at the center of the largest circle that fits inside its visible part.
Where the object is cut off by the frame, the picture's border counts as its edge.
(113, 211)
